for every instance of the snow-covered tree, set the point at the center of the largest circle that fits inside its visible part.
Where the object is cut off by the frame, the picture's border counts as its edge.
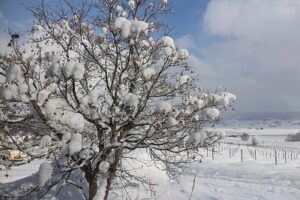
(96, 81)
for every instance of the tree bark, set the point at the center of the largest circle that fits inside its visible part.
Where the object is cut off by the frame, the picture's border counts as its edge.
(112, 172)
(92, 180)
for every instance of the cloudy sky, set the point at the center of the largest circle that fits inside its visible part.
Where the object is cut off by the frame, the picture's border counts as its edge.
(249, 47)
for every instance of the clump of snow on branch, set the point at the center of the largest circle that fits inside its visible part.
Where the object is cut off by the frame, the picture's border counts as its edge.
(171, 122)
(103, 167)
(91, 98)
(131, 27)
(131, 4)
(86, 153)
(43, 96)
(195, 138)
(196, 102)
(54, 70)
(14, 74)
(167, 41)
(148, 72)
(184, 79)
(131, 100)
(118, 9)
(66, 136)
(45, 172)
(221, 133)
(227, 98)
(183, 54)
(164, 107)
(15, 84)
(212, 113)
(55, 111)
(75, 144)
(45, 142)
(168, 46)
(74, 70)
(9, 93)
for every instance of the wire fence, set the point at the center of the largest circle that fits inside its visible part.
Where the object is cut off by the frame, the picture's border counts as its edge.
(242, 152)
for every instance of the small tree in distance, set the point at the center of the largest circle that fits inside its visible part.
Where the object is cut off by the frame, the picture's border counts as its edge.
(97, 81)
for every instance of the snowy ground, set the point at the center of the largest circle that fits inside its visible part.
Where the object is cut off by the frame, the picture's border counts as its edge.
(219, 176)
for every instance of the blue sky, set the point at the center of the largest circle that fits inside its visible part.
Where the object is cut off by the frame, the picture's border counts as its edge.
(251, 48)
(186, 18)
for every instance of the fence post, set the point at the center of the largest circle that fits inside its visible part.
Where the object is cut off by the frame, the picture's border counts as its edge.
(255, 154)
(285, 156)
(212, 153)
(275, 157)
(242, 155)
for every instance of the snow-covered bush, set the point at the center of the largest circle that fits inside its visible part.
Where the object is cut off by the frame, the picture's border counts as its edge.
(293, 137)
(245, 136)
(254, 141)
(101, 81)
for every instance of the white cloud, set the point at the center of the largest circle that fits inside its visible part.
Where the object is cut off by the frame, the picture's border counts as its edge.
(186, 42)
(259, 54)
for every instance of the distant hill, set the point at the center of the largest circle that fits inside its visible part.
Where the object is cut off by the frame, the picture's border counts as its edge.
(263, 116)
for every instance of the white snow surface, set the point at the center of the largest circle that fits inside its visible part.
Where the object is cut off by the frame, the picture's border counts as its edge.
(223, 178)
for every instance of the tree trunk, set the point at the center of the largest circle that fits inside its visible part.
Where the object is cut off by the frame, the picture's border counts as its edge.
(112, 171)
(92, 179)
